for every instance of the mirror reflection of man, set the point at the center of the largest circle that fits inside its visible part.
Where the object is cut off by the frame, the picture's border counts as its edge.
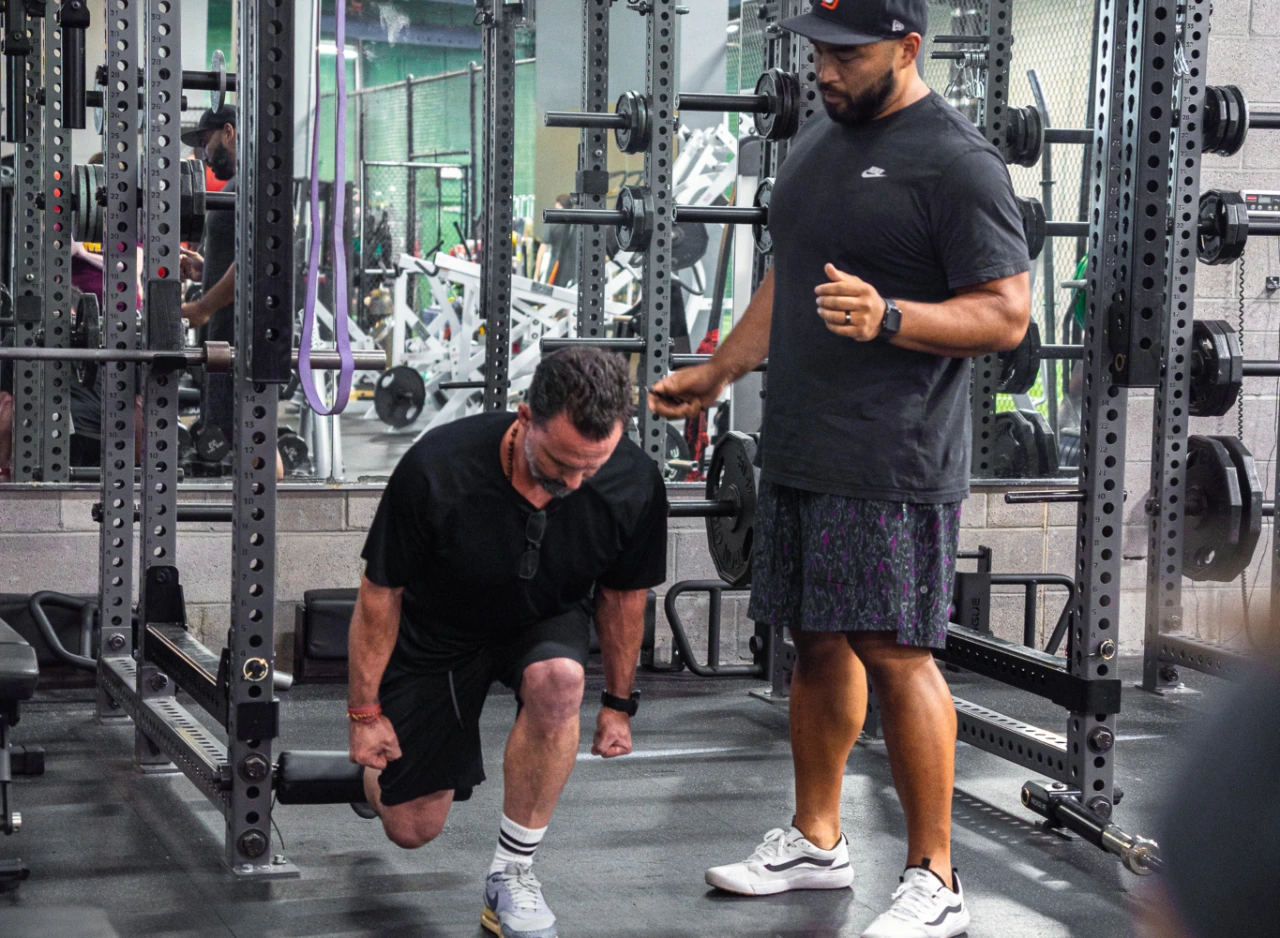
(214, 140)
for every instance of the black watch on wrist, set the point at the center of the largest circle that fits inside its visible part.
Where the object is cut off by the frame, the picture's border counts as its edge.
(627, 705)
(891, 323)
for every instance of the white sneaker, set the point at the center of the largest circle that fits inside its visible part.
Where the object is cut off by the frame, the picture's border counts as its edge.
(922, 908)
(786, 860)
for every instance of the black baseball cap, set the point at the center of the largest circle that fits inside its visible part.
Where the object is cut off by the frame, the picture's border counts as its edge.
(210, 120)
(858, 22)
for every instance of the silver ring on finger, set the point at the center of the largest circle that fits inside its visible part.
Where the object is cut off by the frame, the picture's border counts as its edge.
(848, 318)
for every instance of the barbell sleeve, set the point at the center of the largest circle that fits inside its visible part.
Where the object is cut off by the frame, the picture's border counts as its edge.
(1261, 369)
(722, 214)
(1067, 135)
(1066, 229)
(584, 216)
(221, 201)
(733, 103)
(1039, 497)
(206, 81)
(605, 120)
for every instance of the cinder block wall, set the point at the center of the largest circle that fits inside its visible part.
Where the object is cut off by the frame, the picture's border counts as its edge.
(49, 541)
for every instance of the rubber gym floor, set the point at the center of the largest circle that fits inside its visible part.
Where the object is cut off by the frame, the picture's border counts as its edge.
(115, 853)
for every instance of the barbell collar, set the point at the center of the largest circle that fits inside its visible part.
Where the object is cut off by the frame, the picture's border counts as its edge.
(731, 103)
(722, 214)
(585, 119)
(1047, 495)
(584, 216)
(1067, 135)
(1066, 229)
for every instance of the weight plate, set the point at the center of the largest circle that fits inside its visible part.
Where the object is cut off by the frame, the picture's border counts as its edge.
(760, 230)
(634, 138)
(1014, 453)
(1020, 366)
(186, 445)
(637, 204)
(689, 240)
(1046, 444)
(1232, 135)
(1252, 492)
(1221, 239)
(1033, 225)
(1033, 137)
(1215, 121)
(782, 120)
(218, 64)
(1069, 447)
(294, 453)
(1215, 506)
(1236, 142)
(1015, 126)
(86, 332)
(1217, 369)
(399, 396)
(677, 452)
(733, 475)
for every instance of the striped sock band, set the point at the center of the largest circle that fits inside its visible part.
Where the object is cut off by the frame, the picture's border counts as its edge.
(516, 844)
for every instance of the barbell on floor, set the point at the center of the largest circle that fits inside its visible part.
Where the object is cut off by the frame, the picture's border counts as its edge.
(775, 104)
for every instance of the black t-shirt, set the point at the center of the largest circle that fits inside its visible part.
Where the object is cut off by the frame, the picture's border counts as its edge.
(916, 204)
(564, 251)
(219, 251)
(451, 530)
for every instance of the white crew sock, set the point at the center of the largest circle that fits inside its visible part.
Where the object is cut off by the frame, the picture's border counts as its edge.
(516, 844)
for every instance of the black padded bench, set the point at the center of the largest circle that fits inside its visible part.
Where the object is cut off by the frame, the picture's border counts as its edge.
(19, 672)
(321, 624)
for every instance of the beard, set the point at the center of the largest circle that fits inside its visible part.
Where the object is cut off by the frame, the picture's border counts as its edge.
(223, 163)
(862, 109)
(553, 487)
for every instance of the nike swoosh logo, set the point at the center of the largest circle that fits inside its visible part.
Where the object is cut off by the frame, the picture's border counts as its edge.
(491, 899)
(945, 912)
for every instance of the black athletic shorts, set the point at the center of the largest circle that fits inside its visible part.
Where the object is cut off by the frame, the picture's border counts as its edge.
(436, 714)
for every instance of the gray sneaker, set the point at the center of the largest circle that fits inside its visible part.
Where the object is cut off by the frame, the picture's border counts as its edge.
(514, 907)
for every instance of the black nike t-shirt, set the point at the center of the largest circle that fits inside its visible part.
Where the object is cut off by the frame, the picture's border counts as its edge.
(451, 529)
(917, 204)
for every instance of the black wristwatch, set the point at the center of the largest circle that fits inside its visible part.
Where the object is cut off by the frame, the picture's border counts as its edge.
(627, 705)
(891, 323)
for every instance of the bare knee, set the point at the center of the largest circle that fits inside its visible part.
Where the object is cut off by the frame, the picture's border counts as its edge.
(412, 833)
(551, 691)
(822, 653)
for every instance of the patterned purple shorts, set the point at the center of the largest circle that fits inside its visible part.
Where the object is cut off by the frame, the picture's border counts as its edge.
(827, 563)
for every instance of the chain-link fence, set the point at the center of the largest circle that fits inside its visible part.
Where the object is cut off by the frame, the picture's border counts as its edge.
(437, 119)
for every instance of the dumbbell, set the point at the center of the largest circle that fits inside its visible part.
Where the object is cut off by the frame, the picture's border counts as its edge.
(294, 452)
(634, 216)
(775, 103)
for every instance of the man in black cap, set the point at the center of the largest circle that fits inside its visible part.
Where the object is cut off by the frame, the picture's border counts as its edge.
(897, 219)
(214, 139)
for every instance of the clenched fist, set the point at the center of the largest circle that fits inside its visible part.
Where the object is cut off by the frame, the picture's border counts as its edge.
(849, 306)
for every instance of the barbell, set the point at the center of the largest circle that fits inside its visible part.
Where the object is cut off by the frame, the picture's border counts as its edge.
(775, 103)
(215, 357)
(88, 181)
(635, 216)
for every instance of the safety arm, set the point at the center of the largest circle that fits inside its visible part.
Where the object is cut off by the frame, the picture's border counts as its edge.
(620, 625)
(978, 320)
(747, 343)
(374, 629)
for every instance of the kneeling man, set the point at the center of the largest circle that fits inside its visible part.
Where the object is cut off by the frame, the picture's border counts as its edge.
(496, 539)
